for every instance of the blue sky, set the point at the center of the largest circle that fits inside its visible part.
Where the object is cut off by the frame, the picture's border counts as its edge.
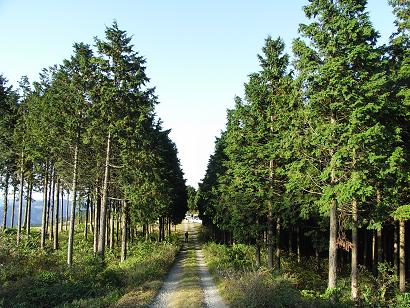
(199, 53)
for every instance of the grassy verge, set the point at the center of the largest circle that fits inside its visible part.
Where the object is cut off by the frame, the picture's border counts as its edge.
(303, 284)
(30, 277)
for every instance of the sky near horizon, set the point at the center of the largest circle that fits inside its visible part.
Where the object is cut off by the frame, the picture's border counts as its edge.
(199, 53)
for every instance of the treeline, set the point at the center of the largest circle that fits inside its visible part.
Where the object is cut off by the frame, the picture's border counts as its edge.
(88, 130)
(315, 158)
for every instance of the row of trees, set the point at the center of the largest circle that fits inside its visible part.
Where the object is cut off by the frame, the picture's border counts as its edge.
(88, 129)
(320, 147)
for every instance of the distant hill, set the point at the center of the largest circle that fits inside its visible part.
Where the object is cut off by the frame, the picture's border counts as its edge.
(36, 212)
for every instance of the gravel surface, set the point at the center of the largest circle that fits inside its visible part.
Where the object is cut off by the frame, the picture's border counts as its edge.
(171, 282)
(212, 298)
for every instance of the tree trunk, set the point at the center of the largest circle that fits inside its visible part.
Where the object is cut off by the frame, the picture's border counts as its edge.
(13, 207)
(49, 200)
(73, 204)
(396, 248)
(354, 250)
(124, 232)
(374, 252)
(277, 255)
(43, 221)
(112, 216)
(379, 248)
(55, 246)
(270, 236)
(66, 209)
(96, 219)
(62, 208)
(87, 209)
(20, 210)
(402, 257)
(52, 205)
(6, 192)
(101, 238)
(332, 246)
(28, 210)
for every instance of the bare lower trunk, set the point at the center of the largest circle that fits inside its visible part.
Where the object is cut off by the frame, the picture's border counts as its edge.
(44, 216)
(73, 205)
(332, 246)
(57, 206)
(20, 210)
(354, 250)
(112, 226)
(277, 255)
(27, 205)
(270, 236)
(66, 210)
(30, 199)
(374, 252)
(402, 256)
(101, 238)
(13, 207)
(96, 219)
(6, 192)
(87, 211)
(62, 210)
(396, 248)
(52, 208)
(124, 232)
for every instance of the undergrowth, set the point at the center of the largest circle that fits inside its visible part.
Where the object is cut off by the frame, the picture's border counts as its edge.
(302, 284)
(30, 277)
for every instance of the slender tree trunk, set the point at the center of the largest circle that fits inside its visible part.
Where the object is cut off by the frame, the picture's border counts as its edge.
(56, 244)
(30, 200)
(27, 205)
(270, 235)
(379, 246)
(402, 256)
(117, 226)
(13, 207)
(124, 232)
(396, 248)
(49, 201)
(101, 239)
(62, 209)
(354, 250)
(73, 205)
(277, 255)
(66, 209)
(332, 246)
(20, 211)
(6, 192)
(112, 225)
(257, 245)
(52, 209)
(44, 216)
(87, 209)
(374, 252)
(96, 219)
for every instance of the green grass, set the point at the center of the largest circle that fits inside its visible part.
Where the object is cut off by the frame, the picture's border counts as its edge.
(30, 277)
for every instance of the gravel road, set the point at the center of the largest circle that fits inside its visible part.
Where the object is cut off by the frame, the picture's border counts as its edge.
(211, 295)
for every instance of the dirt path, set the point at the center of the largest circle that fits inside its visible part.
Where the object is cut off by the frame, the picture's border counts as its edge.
(176, 292)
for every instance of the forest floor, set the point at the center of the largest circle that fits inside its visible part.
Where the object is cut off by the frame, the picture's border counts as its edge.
(188, 283)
